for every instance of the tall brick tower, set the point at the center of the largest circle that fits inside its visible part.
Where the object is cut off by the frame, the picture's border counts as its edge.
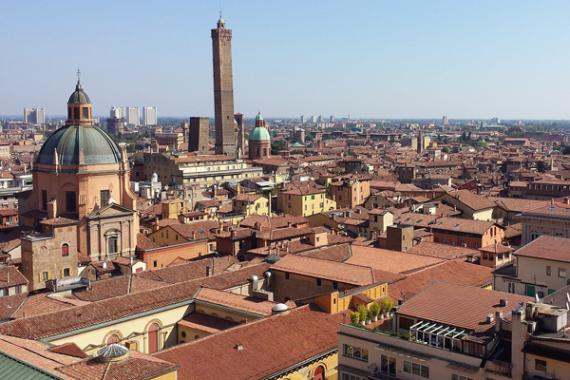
(226, 139)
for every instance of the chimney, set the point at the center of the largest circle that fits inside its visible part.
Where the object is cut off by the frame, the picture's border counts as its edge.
(208, 271)
(193, 235)
(52, 209)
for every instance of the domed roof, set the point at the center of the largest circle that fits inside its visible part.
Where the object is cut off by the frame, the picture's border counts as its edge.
(97, 147)
(113, 352)
(279, 308)
(79, 96)
(259, 134)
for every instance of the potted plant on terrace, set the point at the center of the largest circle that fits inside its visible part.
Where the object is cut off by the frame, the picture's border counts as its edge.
(375, 310)
(362, 314)
(387, 305)
(354, 318)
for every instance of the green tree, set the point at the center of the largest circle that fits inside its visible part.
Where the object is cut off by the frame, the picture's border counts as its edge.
(445, 149)
(278, 145)
(362, 312)
(354, 318)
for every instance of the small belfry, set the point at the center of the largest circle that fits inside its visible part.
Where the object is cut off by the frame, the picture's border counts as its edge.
(79, 107)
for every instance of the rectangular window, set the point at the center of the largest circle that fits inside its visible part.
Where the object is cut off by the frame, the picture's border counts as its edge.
(407, 366)
(44, 200)
(420, 370)
(286, 276)
(45, 276)
(155, 263)
(540, 365)
(548, 270)
(355, 352)
(70, 201)
(66, 272)
(511, 287)
(319, 282)
(105, 196)
(460, 377)
(562, 272)
(19, 289)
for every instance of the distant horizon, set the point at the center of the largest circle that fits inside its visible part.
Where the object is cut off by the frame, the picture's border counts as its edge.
(482, 59)
(357, 118)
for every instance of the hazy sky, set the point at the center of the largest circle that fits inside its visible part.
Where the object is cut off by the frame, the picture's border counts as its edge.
(385, 59)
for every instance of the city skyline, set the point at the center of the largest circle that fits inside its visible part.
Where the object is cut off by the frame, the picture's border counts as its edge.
(379, 60)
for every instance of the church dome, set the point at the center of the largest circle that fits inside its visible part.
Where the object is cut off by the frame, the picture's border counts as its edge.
(78, 96)
(76, 144)
(259, 134)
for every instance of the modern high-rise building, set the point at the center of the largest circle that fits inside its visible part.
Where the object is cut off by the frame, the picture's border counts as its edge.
(302, 119)
(198, 135)
(150, 116)
(116, 112)
(226, 141)
(35, 116)
(444, 121)
(132, 115)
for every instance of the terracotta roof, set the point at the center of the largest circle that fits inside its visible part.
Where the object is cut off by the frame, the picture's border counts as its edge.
(207, 323)
(547, 248)
(116, 286)
(389, 261)
(34, 353)
(452, 272)
(476, 227)
(325, 269)
(247, 197)
(496, 248)
(273, 221)
(442, 251)
(519, 205)
(416, 220)
(190, 270)
(10, 276)
(338, 253)
(459, 306)
(41, 303)
(258, 350)
(553, 210)
(137, 366)
(69, 349)
(112, 308)
(144, 243)
(9, 305)
(234, 301)
(201, 228)
(472, 200)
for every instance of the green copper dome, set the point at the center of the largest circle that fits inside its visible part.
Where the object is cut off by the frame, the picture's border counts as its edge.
(259, 134)
(97, 147)
(79, 96)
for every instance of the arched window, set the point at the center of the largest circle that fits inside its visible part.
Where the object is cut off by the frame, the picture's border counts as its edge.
(65, 250)
(319, 373)
(113, 338)
(153, 330)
